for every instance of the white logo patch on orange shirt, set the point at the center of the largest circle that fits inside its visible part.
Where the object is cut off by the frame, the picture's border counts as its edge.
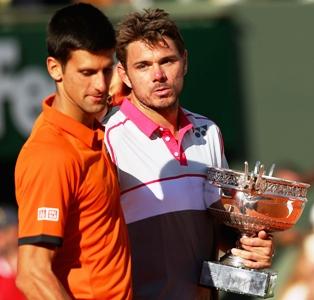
(48, 214)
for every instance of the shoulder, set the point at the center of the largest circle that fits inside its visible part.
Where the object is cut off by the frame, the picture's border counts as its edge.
(114, 117)
(51, 141)
(203, 126)
(199, 120)
(47, 150)
(114, 123)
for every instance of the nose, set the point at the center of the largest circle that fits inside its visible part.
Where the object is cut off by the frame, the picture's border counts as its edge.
(100, 83)
(159, 74)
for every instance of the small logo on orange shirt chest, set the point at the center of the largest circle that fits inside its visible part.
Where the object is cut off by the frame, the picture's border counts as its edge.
(48, 214)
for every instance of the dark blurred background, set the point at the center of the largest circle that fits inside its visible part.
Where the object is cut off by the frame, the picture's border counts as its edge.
(213, 85)
(251, 70)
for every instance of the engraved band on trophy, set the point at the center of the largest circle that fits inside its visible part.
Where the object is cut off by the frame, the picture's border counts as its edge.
(251, 202)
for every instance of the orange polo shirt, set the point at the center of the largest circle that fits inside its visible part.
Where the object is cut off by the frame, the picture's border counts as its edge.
(68, 196)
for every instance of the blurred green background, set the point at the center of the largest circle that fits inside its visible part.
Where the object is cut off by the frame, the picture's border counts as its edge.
(251, 70)
(213, 85)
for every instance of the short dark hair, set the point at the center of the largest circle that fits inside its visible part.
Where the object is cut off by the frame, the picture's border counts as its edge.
(150, 26)
(79, 26)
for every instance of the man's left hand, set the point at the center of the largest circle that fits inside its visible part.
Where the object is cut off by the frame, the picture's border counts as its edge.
(257, 252)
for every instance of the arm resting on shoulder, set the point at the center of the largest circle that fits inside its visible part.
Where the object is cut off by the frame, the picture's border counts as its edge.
(35, 277)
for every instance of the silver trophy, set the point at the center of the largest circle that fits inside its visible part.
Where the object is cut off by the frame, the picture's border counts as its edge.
(251, 202)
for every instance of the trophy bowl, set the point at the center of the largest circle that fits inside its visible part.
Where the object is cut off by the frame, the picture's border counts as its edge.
(251, 202)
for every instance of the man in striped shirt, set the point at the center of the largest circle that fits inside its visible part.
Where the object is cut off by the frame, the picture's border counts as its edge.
(162, 151)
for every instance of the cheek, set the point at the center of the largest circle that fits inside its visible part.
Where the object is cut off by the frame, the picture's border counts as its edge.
(72, 82)
(180, 81)
(76, 88)
(139, 83)
(179, 78)
(138, 89)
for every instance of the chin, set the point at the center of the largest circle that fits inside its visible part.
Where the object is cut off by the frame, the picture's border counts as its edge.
(166, 103)
(101, 114)
(97, 109)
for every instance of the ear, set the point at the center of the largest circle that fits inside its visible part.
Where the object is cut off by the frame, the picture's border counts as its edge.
(123, 75)
(118, 89)
(54, 68)
(185, 57)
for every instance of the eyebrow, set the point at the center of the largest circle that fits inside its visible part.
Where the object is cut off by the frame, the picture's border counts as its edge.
(167, 57)
(111, 65)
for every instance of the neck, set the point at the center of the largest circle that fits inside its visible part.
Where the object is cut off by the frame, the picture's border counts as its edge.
(165, 117)
(73, 112)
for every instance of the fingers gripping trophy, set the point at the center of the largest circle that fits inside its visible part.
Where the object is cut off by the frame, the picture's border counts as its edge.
(251, 202)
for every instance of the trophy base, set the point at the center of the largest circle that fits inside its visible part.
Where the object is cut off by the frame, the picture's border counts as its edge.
(251, 282)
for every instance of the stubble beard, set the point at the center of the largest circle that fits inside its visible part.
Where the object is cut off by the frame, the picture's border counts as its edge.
(162, 108)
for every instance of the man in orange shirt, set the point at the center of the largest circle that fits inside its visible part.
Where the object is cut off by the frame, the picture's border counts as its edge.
(73, 241)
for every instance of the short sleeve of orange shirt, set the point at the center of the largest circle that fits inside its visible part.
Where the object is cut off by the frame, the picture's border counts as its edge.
(45, 178)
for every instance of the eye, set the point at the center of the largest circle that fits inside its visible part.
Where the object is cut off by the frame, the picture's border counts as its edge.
(87, 73)
(169, 60)
(141, 66)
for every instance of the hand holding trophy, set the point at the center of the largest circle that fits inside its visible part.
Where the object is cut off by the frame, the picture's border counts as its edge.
(251, 202)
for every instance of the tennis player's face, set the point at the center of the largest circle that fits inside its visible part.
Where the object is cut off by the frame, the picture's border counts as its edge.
(155, 74)
(84, 83)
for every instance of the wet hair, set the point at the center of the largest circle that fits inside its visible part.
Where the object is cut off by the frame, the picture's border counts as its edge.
(150, 26)
(79, 26)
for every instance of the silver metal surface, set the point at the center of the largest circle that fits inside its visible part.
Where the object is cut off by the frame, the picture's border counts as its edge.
(251, 202)
(236, 280)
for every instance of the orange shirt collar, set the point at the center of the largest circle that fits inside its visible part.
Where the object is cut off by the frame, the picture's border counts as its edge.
(92, 138)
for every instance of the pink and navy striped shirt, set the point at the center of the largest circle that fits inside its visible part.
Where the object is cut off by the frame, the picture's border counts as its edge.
(164, 197)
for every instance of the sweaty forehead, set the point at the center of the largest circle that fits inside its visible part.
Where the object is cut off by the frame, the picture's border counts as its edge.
(157, 41)
(83, 58)
(143, 48)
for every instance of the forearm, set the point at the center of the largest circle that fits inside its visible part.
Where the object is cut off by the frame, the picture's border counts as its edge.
(35, 277)
(39, 284)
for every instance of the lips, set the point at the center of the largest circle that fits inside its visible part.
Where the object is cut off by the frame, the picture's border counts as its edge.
(98, 98)
(162, 90)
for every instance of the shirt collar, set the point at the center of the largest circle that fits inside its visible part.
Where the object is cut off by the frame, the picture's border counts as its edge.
(93, 138)
(145, 124)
